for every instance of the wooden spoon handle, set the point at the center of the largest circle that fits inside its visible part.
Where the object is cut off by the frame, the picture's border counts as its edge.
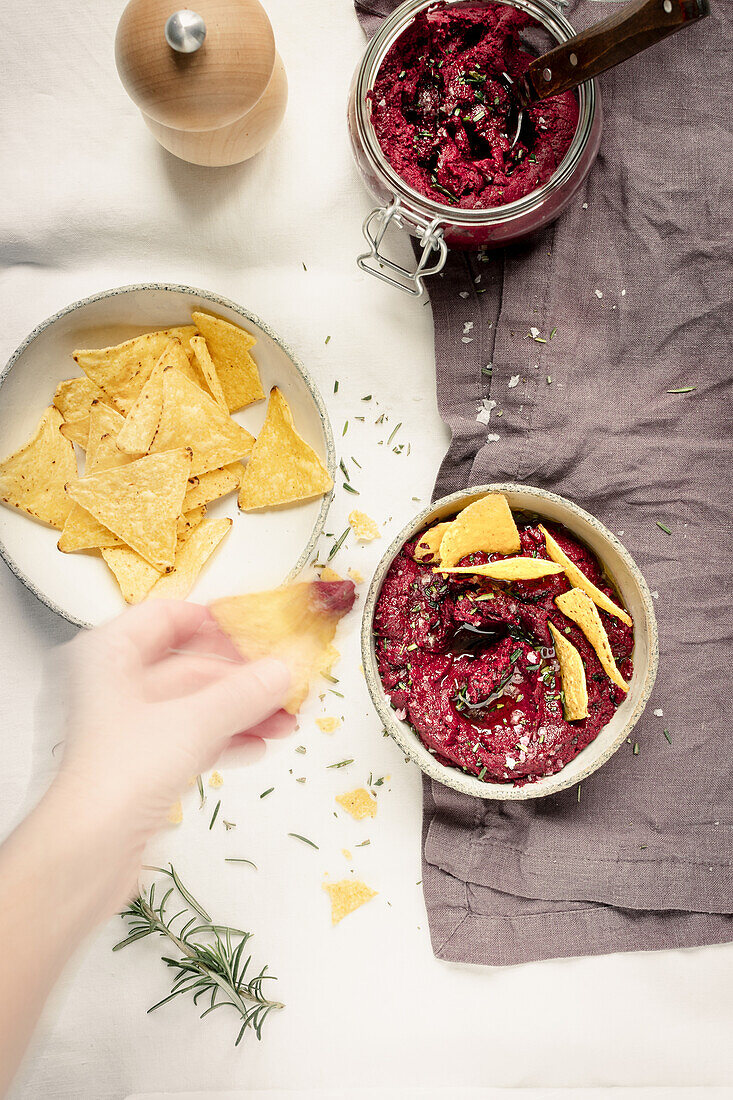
(631, 29)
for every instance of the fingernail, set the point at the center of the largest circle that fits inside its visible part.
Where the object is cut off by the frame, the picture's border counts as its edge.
(274, 675)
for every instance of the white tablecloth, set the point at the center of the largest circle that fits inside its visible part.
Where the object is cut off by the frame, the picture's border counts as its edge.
(90, 202)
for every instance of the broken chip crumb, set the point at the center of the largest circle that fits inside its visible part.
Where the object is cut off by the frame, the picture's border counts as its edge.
(329, 574)
(346, 853)
(328, 723)
(216, 779)
(346, 896)
(363, 526)
(175, 814)
(359, 803)
(356, 576)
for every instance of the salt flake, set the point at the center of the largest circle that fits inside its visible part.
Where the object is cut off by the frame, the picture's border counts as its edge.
(513, 381)
(658, 713)
(485, 408)
(598, 293)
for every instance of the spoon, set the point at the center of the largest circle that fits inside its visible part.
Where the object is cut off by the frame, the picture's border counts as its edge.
(631, 29)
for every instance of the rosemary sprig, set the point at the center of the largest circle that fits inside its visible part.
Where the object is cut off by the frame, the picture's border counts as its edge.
(211, 961)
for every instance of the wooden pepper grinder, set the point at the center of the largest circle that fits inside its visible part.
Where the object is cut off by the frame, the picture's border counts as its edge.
(209, 83)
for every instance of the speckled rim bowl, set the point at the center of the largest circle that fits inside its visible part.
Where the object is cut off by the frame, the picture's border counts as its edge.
(627, 578)
(199, 299)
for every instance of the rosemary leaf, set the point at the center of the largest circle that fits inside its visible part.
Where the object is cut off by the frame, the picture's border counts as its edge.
(305, 839)
(213, 816)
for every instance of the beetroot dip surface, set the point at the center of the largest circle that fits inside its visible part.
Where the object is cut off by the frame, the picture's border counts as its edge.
(440, 111)
(470, 661)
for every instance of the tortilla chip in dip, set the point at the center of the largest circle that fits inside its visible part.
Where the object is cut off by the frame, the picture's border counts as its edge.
(427, 547)
(579, 607)
(228, 345)
(509, 569)
(139, 502)
(296, 623)
(486, 525)
(283, 468)
(33, 478)
(578, 579)
(572, 674)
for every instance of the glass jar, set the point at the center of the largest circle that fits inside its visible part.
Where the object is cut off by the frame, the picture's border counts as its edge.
(437, 226)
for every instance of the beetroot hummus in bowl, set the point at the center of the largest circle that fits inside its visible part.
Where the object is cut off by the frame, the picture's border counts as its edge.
(515, 672)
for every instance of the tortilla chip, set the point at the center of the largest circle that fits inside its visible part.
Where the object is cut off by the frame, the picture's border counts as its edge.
(346, 896)
(579, 607)
(143, 418)
(133, 574)
(192, 554)
(509, 569)
(140, 502)
(74, 396)
(283, 468)
(207, 368)
(33, 478)
(213, 484)
(358, 803)
(578, 579)
(486, 525)
(73, 399)
(122, 371)
(428, 546)
(572, 674)
(82, 531)
(228, 346)
(76, 431)
(296, 623)
(189, 520)
(190, 418)
(364, 527)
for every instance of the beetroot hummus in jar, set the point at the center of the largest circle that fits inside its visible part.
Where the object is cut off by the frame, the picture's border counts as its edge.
(441, 109)
(472, 664)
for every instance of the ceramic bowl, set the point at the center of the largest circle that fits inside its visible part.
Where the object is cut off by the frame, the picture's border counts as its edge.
(262, 549)
(634, 592)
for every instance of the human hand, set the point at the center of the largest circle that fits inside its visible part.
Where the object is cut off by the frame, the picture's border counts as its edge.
(155, 697)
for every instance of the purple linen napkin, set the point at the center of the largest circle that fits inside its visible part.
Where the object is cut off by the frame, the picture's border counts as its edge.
(635, 281)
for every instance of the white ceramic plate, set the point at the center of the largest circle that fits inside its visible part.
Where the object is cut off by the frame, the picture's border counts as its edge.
(261, 550)
(627, 578)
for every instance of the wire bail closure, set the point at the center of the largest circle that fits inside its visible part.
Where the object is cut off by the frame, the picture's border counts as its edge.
(429, 234)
